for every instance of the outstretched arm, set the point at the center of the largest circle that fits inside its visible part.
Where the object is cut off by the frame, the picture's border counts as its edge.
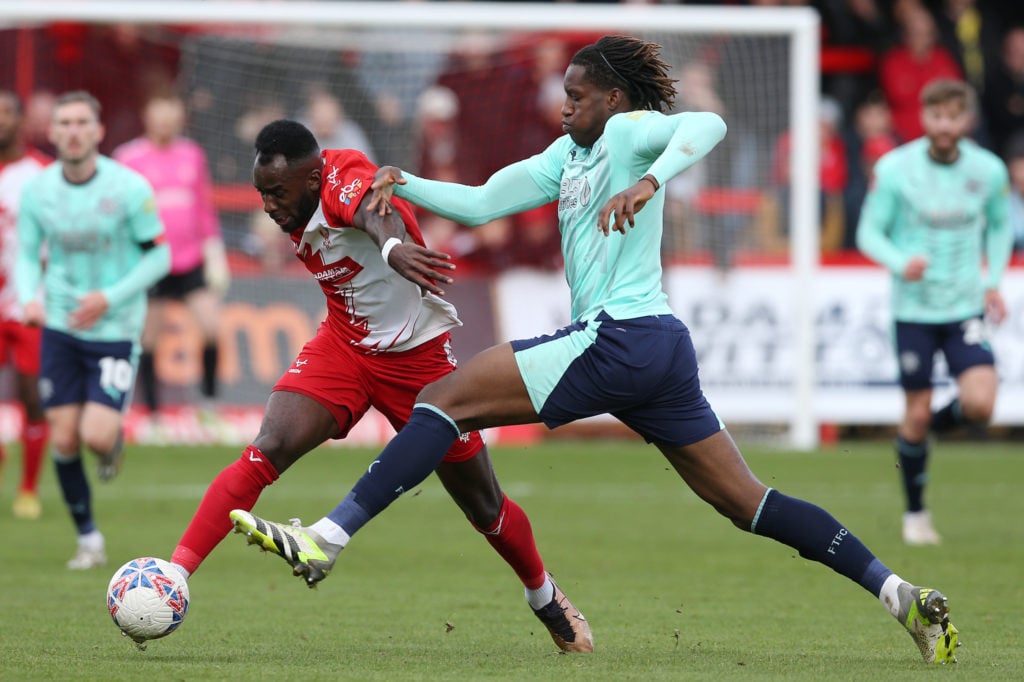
(510, 190)
(421, 266)
(679, 141)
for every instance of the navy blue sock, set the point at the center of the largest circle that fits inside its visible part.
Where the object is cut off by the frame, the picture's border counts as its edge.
(409, 458)
(913, 460)
(814, 533)
(948, 417)
(75, 486)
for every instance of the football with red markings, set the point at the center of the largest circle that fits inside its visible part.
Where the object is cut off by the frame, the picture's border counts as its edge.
(148, 599)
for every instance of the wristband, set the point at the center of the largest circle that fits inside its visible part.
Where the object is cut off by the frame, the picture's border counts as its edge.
(653, 180)
(391, 243)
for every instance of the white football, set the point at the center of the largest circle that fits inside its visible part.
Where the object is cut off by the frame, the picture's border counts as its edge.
(148, 599)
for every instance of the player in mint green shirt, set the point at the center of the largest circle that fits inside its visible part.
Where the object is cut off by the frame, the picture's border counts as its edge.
(625, 353)
(937, 217)
(93, 222)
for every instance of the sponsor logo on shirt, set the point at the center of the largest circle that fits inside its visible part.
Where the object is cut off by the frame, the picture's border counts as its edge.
(348, 192)
(335, 274)
(573, 193)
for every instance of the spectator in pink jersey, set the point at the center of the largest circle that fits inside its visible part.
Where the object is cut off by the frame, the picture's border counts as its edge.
(176, 167)
(19, 343)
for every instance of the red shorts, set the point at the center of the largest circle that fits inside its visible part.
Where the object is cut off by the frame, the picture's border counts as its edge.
(20, 343)
(348, 382)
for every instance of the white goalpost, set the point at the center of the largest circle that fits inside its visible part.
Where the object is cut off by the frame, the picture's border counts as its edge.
(391, 65)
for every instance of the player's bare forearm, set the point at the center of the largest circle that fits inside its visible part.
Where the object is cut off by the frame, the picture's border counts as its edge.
(995, 306)
(421, 266)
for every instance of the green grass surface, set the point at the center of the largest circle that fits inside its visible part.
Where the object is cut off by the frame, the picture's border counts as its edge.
(672, 591)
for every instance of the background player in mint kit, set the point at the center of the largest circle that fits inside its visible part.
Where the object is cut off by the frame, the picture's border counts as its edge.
(624, 354)
(937, 213)
(386, 336)
(95, 222)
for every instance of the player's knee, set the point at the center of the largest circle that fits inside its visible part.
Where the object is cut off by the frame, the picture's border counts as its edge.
(64, 442)
(977, 410)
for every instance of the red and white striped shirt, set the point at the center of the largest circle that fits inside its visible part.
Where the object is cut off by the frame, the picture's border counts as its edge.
(368, 303)
(13, 177)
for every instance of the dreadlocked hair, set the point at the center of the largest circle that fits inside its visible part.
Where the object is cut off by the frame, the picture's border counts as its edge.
(632, 65)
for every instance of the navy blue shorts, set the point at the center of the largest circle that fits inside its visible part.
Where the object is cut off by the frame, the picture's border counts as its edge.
(76, 371)
(964, 344)
(642, 371)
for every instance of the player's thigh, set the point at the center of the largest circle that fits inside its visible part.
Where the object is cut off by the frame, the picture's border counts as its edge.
(100, 426)
(62, 378)
(205, 308)
(977, 387)
(25, 345)
(156, 315)
(487, 390)
(966, 345)
(916, 345)
(293, 424)
(7, 339)
(329, 372)
(396, 380)
(109, 368)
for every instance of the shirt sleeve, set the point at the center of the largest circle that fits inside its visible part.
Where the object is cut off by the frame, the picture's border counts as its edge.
(144, 226)
(674, 142)
(999, 232)
(347, 176)
(877, 216)
(515, 188)
(28, 266)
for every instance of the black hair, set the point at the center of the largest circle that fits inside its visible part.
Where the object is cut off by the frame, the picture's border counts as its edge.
(286, 138)
(632, 65)
(10, 95)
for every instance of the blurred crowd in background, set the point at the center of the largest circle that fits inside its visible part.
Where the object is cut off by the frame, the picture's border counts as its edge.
(435, 113)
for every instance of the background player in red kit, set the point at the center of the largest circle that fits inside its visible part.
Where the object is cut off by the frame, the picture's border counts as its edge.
(386, 336)
(19, 343)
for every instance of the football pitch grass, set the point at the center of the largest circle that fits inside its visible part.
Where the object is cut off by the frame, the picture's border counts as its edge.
(671, 590)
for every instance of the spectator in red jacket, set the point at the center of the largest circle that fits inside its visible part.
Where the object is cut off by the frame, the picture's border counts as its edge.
(906, 68)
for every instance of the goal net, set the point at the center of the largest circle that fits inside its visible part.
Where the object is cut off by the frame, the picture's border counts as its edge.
(456, 91)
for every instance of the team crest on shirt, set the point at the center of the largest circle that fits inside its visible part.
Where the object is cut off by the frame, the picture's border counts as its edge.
(325, 237)
(972, 186)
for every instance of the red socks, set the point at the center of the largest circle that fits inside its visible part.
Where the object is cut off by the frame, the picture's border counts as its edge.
(512, 537)
(33, 440)
(237, 486)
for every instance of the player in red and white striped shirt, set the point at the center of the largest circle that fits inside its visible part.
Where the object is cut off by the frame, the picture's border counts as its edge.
(386, 336)
(19, 343)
